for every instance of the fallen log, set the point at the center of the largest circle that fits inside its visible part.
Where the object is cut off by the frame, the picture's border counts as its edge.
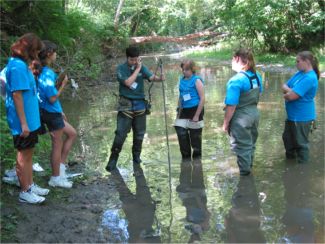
(186, 38)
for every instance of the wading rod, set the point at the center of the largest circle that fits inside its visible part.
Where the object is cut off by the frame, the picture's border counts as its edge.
(165, 113)
(160, 64)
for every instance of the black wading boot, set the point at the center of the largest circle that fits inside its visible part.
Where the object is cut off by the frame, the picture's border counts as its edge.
(196, 142)
(136, 151)
(111, 165)
(184, 142)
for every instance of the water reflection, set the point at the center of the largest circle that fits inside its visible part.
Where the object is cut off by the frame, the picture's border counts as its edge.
(191, 190)
(243, 220)
(94, 118)
(141, 225)
(298, 216)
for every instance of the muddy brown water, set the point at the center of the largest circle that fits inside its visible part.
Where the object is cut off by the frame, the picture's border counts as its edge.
(175, 202)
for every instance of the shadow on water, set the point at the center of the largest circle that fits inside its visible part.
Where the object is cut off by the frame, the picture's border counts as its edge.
(243, 219)
(191, 191)
(298, 215)
(140, 223)
(206, 200)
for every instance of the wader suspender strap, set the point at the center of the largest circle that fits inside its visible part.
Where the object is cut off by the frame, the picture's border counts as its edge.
(251, 78)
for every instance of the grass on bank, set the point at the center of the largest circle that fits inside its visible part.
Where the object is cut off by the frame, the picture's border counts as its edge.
(264, 58)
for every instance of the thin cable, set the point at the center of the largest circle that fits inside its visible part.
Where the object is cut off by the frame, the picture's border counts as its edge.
(160, 64)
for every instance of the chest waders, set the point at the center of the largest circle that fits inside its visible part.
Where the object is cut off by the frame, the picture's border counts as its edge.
(127, 119)
(243, 127)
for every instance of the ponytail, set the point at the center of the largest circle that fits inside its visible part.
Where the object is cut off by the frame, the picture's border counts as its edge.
(247, 57)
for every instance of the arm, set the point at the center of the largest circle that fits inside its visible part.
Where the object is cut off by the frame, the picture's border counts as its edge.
(289, 94)
(230, 110)
(19, 104)
(60, 90)
(157, 78)
(200, 90)
(129, 81)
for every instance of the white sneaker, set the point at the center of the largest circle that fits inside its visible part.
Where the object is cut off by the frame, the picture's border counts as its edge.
(39, 190)
(10, 172)
(37, 167)
(30, 197)
(11, 180)
(59, 181)
(63, 169)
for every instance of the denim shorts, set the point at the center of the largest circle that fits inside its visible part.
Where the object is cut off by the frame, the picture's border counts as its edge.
(21, 143)
(53, 121)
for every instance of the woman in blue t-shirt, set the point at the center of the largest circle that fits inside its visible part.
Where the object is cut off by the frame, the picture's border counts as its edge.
(241, 114)
(50, 87)
(23, 113)
(189, 121)
(299, 93)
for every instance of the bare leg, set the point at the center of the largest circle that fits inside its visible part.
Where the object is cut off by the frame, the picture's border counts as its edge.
(24, 168)
(71, 136)
(56, 137)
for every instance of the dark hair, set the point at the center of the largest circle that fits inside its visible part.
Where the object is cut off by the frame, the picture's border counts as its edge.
(48, 48)
(189, 64)
(36, 67)
(27, 47)
(132, 52)
(307, 55)
(247, 57)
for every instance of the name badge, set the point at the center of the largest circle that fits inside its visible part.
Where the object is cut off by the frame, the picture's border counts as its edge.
(134, 86)
(186, 97)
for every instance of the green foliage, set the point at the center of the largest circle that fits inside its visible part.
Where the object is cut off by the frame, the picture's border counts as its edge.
(280, 25)
(85, 28)
(50, 20)
(7, 151)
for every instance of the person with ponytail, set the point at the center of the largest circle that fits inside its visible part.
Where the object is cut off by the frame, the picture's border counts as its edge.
(50, 88)
(299, 93)
(241, 114)
(23, 112)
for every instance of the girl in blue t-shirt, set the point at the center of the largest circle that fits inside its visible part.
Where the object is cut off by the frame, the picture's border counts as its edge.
(241, 114)
(189, 121)
(50, 87)
(299, 93)
(23, 113)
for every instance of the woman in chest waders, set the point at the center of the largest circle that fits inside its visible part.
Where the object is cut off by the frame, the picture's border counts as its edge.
(241, 113)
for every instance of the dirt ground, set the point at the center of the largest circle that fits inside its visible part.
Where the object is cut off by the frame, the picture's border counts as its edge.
(67, 215)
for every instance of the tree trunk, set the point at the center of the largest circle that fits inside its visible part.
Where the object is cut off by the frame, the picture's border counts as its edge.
(186, 38)
(117, 14)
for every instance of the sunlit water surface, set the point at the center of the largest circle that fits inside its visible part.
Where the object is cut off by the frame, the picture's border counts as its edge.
(204, 200)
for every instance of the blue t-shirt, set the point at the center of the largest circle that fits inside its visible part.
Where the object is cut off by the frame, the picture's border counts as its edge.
(188, 94)
(305, 85)
(238, 84)
(123, 73)
(20, 78)
(46, 88)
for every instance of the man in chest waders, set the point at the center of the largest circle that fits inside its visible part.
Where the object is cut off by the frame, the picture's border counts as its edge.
(132, 106)
(241, 113)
